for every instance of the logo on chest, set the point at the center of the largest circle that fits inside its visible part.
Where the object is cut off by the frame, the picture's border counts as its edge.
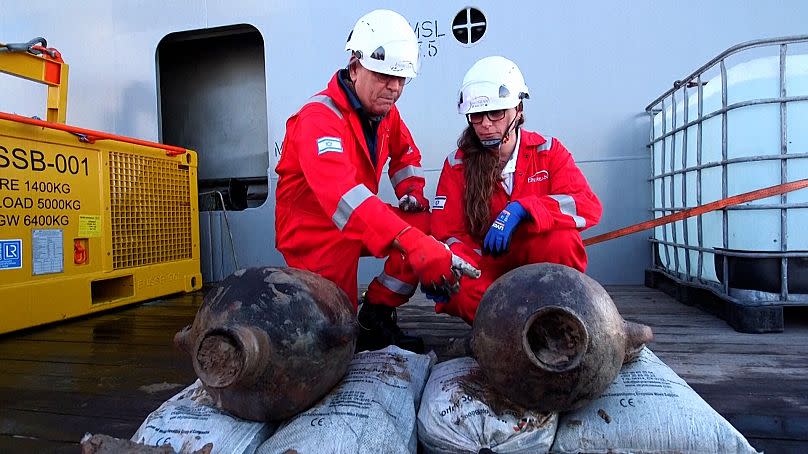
(541, 175)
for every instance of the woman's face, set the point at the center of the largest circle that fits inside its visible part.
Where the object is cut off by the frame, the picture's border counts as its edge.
(492, 124)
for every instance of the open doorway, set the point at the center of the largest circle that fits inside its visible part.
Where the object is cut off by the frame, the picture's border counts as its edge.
(212, 96)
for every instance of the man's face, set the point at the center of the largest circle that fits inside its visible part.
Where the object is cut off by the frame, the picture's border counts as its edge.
(377, 92)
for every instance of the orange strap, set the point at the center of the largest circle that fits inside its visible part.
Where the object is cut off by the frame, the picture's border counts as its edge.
(90, 136)
(701, 209)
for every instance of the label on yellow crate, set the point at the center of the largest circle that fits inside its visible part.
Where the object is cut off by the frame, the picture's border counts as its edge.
(48, 251)
(89, 226)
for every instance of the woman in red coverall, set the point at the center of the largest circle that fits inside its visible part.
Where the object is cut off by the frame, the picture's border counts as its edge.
(507, 196)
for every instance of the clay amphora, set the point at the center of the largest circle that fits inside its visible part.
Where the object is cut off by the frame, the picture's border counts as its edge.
(549, 338)
(269, 342)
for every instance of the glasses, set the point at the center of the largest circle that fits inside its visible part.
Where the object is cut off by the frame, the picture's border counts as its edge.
(386, 79)
(493, 115)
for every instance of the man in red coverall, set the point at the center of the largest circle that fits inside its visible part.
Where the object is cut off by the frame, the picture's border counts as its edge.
(507, 196)
(327, 212)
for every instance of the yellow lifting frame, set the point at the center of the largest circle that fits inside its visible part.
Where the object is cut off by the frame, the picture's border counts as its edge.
(98, 260)
(45, 70)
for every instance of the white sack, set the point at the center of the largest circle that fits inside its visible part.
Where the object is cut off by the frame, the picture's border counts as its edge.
(460, 412)
(648, 409)
(190, 420)
(372, 410)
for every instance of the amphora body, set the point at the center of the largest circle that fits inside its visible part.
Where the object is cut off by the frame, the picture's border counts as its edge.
(269, 342)
(550, 338)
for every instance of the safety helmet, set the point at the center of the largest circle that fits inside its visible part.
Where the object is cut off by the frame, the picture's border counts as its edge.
(384, 42)
(493, 83)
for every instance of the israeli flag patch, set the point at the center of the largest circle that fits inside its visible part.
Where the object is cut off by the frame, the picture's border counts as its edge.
(328, 144)
(439, 203)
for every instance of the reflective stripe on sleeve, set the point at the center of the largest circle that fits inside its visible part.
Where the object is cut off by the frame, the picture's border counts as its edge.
(395, 285)
(567, 206)
(406, 172)
(451, 241)
(348, 203)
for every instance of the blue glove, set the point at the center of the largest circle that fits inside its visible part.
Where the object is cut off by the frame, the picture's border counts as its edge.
(435, 293)
(498, 238)
(436, 297)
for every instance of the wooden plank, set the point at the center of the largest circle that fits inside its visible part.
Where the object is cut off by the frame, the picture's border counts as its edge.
(668, 343)
(61, 427)
(78, 370)
(787, 396)
(792, 427)
(773, 445)
(108, 383)
(144, 355)
(142, 336)
(150, 328)
(126, 404)
(734, 363)
(10, 444)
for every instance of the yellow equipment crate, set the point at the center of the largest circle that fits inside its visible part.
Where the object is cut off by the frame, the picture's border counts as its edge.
(91, 221)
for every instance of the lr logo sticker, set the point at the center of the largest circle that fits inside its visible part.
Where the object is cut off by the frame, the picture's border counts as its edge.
(10, 254)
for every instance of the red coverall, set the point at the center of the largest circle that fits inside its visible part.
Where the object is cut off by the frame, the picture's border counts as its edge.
(327, 213)
(550, 187)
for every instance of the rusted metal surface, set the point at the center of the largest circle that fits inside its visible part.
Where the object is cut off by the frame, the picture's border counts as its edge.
(269, 342)
(550, 338)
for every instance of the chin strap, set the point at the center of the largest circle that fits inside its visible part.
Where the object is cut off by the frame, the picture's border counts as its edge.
(506, 136)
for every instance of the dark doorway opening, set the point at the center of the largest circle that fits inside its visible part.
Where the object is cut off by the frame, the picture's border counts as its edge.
(212, 96)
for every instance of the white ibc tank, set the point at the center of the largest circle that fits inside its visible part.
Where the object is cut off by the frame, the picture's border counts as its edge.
(753, 131)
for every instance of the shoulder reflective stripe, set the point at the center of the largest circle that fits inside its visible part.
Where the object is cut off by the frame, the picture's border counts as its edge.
(348, 203)
(395, 285)
(567, 206)
(328, 102)
(453, 159)
(546, 145)
(406, 172)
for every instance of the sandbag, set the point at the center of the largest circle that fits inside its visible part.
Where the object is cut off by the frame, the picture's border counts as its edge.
(105, 444)
(190, 420)
(372, 410)
(648, 409)
(462, 413)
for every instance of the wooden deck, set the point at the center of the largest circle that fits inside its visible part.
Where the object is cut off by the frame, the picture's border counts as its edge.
(104, 374)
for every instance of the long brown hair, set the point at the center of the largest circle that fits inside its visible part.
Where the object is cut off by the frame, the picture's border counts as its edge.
(481, 172)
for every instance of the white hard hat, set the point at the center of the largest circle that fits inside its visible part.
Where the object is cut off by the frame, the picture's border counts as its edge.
(493, 83)
(384, 42)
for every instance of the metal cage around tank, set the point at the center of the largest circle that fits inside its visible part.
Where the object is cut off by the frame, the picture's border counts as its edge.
(708, 142)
